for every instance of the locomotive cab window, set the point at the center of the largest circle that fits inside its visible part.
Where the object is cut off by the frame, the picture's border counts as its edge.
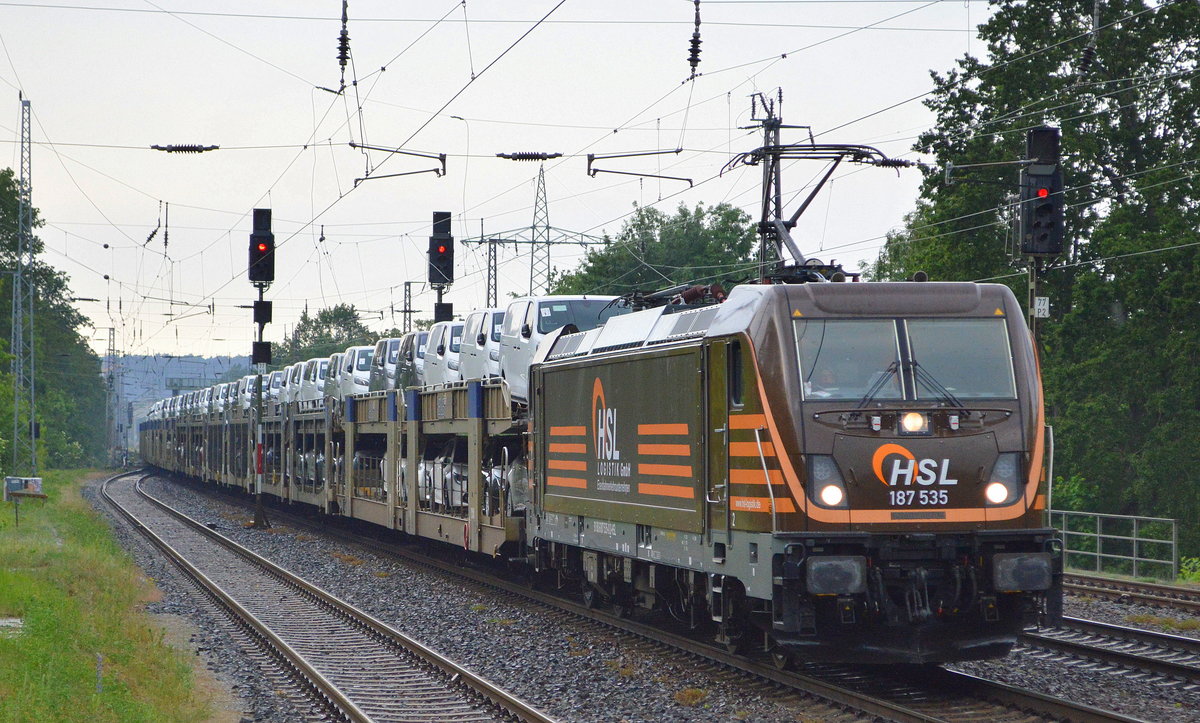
(844, 359)
(970, 358)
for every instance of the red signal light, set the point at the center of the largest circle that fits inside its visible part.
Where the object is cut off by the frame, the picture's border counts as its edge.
(1043, 192)
(262, 248)
(442, 249)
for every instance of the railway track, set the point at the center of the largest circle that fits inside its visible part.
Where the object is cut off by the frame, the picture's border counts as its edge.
(923, 695)
(354, 667)
(1184, 599)
(1172, 659)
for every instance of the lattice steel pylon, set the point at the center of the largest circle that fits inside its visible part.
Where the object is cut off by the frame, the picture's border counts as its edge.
(407, 311)
(492, 281)
(539, 251)
(24, 445)
(111, 399)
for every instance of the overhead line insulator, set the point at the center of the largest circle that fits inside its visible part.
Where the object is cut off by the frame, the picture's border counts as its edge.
(185, 148)
(528, 156)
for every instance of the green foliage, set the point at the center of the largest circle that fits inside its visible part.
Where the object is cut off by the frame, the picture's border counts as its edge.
(331, 330)
(1074, 493)
(654, 250)
(69, 399)
(1120, 353)
(1189, 569)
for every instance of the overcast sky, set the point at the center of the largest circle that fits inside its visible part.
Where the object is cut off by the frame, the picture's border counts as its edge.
(109, 78)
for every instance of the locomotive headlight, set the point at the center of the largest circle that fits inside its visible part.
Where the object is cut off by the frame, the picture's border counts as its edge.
(996, 492)
(914, 423)
(832, 495)
(1004, 483)
(825, 485)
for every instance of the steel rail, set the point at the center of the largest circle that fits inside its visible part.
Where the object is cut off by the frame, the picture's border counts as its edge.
(1104, 636)
(320, 689)
(507, 703)
(951, 682)
(1167, 596)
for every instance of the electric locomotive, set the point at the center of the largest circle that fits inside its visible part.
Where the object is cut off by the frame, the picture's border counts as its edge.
(831, 471)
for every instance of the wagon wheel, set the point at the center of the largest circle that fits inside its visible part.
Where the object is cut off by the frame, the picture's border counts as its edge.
(782, 658)
(591, 597)
(735, 644)
(622, 609)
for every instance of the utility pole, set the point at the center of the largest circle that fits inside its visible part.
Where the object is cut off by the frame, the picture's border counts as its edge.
(110, 399)
(25, 433)
(492, 277)
(774, 229)
(492, 289)
(407, 311)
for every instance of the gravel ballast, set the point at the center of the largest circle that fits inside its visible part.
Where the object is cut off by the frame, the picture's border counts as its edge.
(572, 671)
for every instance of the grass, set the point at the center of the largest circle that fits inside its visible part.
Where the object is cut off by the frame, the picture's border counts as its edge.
(1165, 622)
(690, 696)
(622, 668)
(80, 595)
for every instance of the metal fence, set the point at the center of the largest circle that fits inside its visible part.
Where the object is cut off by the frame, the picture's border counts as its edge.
(1121, 544)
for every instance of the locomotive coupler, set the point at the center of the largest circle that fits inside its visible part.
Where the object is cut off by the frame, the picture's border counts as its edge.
(916, 595)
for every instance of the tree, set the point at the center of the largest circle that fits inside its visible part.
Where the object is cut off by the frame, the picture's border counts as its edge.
(331, 330)
(654, 250)
(1120, 351)
(69, 399)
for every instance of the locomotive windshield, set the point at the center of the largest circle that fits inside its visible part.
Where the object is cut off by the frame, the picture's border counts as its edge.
(846, 359)
(969, 357)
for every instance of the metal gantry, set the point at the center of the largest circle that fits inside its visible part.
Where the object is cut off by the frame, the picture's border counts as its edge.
(24, 443)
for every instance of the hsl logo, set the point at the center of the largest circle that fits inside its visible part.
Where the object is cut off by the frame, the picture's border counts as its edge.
(605, 431)
(906, 468)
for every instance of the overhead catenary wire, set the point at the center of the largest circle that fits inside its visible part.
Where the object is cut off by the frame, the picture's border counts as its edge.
(689, 105)
(415, 132)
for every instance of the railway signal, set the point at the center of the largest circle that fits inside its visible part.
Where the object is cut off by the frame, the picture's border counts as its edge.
(441, 250)
(262, 249)
(1041, 216)
(261, 273)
